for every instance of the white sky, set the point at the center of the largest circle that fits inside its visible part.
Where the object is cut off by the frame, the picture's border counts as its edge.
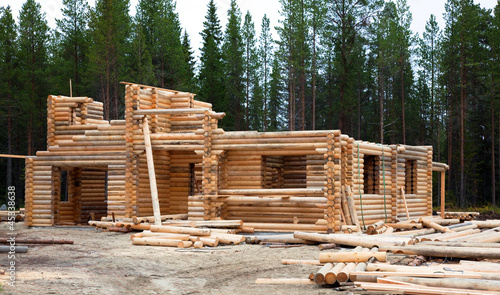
(192, 13)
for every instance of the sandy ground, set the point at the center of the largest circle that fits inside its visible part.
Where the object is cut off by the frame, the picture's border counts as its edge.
(101, 262)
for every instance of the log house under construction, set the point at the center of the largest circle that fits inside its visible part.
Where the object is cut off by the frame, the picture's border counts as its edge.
(272, 180)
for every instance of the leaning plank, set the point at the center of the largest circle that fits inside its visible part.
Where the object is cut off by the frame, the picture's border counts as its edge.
(151, 172)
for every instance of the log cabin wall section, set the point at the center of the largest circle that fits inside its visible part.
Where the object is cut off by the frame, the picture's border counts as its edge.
(94, 168)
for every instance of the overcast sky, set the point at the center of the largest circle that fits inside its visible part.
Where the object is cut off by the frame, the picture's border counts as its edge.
(192, 13)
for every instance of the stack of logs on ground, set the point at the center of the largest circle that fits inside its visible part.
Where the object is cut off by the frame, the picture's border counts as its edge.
(424, 256)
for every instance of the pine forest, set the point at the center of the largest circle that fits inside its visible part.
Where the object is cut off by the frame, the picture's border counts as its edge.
(353, 65)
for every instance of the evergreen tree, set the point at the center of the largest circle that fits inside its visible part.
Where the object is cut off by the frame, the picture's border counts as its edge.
(277, 101)
(162, 36)
(71, 57)
(232, 52)
(8, 52)
(33, 37)
(141, 67)
(211, 67)
(346, 21)
(253, 99)
(110, 25)
(189, 64)
(265, 53)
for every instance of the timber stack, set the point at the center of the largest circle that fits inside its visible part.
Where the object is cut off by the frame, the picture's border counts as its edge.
(453, 252)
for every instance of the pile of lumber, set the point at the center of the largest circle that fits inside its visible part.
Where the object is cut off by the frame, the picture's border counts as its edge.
(370, 264)
(463, 216)
(18, 215)
(179, 233)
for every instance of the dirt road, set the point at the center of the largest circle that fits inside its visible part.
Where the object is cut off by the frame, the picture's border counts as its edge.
(102, 262)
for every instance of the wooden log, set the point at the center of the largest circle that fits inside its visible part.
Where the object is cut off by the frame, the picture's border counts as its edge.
(331, 276)
(351, 256)
(460, 244)
(198, 244)
(180, 230)
(229, 239)
(296, 261)
(434, 225)
(437, 251)
(327, 246)
(156, 242)
(212, 242)
(350, 240)
(474, 284)
(184, 244)
(161, 235)
(372, 228)
(352, 208)
(319, 277)
(487, 223)
(404, 288)
(343, 275)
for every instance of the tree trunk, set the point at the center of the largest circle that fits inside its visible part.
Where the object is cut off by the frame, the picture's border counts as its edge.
(493, 174)
(314, 76)
(403, 101)
(9, 145)
(462, 121)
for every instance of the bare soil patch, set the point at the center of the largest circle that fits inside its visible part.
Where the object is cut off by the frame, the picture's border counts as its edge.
(103, 262)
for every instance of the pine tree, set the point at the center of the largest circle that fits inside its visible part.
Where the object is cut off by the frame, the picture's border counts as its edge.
(346, 21)
(277, 101)
(188, 65)
(72, 52)
(110, 25)
(33, 37)
(162, 36)
(8, 52)
(253, 98)
(265, 53)
(211, 66)
(232, 52)
(141, 64)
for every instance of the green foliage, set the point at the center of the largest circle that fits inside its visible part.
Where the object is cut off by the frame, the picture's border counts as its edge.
(232, 53)
(110, 25)
(189, 65)
(70, 55)
(211, 68)
(159, 25)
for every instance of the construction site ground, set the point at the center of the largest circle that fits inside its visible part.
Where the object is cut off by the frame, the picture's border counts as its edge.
(101, 262)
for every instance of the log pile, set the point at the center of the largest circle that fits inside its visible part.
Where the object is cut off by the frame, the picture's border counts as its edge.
(18, 215)
(374, 262)
(463, 216)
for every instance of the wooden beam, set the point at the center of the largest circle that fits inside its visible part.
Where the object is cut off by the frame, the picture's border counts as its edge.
(151, 172)
(170, 111)
(12, 156)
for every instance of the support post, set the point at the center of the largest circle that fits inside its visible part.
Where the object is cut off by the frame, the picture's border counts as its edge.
(151, 171)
